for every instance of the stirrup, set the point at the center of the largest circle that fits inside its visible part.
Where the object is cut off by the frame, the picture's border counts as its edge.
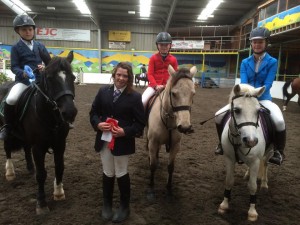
(276, 159)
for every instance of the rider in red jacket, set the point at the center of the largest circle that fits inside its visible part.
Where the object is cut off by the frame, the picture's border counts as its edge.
(158, 66)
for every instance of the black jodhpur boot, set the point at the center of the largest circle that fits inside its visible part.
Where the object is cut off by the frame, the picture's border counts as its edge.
(279, 145)
(9, 111)
(219, 150)
(108, 189)
(123, 211)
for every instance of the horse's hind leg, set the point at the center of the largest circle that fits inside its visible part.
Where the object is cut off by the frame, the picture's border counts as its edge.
(41, 175)
(9, 166)
(59, 193)
(29, 160)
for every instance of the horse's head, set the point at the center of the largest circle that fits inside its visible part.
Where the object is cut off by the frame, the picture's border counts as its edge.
(181, 91)
(245, 113)
(58, 84)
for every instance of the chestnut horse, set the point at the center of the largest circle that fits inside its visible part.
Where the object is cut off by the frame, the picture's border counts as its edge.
(295, 86)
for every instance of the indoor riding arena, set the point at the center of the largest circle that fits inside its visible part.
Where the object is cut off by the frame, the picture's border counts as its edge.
(198, 178)
(212, 39)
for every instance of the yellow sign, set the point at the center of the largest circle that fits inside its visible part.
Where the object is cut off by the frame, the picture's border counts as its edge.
(119, 35)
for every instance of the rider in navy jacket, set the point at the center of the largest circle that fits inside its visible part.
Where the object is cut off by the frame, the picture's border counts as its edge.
(25, 52)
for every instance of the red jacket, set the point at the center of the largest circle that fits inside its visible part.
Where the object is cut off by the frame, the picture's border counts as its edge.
(158, 69)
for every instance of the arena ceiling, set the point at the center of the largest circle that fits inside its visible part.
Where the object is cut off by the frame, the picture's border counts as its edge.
(167, 13)
(176, 16)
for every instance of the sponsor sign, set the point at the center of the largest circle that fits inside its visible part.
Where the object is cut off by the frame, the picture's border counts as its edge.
(63, 34)
(187, 44)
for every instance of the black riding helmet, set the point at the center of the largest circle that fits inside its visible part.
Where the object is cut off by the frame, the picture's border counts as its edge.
(23, 20)
(163, 38)
(259, 33)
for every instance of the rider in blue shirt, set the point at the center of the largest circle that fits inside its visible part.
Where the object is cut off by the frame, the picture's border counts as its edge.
(25, 52)
(259, 70)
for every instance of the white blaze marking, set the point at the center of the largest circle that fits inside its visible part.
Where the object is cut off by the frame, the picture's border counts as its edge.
(62, 75)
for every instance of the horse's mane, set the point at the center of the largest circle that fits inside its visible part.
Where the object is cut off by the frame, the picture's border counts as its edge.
(181, 73)
(58, 64)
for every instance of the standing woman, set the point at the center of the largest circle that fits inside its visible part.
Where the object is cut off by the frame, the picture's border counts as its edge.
(26, 51)
(158, 74)
(259, 70)
(117, 114)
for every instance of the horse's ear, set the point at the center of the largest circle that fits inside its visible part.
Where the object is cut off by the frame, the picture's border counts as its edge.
(193, 71)
(171, 70)
(236, 89)
(260, 91)
(70, 56)
(45, 56)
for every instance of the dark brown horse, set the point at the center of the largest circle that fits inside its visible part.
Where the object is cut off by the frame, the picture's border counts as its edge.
(44, 125)
(295, 86)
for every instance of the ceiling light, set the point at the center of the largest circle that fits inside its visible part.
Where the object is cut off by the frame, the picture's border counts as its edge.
(209, 9)
(131, 12)
(17, 6)
(50, 8)
(82, 7)
(145, 7)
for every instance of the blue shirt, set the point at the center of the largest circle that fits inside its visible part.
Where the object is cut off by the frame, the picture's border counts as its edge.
(263, 77)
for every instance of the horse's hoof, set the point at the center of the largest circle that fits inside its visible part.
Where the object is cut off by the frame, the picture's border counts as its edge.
(59, 197)
(10, 177)
(42, 210)
(252, 217)
(221, 211)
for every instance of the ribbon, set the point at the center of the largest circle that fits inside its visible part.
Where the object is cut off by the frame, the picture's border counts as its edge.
(113, 123)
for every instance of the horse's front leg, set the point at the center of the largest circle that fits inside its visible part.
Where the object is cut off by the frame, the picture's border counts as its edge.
(173, 152)
(41, 175)
(58, 193)
(153, 161)
(252, 185)
(229, 181)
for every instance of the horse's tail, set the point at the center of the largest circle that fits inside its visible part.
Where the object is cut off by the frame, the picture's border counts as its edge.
(286, 94)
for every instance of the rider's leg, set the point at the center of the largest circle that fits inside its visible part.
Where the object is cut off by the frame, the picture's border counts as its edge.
(9, 109)
(280, 131)
(218, 119)
(147, 95)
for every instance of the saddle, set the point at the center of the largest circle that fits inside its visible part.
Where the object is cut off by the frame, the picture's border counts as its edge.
(22, 103)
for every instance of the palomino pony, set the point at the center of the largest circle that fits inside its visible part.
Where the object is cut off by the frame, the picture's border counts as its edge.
(138, 78)
(44, 124)
(169, 118)
(243, 139)
(295, 86)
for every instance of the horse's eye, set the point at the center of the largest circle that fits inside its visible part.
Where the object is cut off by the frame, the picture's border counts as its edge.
(237, 110)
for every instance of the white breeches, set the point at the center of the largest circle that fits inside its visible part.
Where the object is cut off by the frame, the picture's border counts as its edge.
(113, 165)
(276, 114)
(148, 93)
(15, 93)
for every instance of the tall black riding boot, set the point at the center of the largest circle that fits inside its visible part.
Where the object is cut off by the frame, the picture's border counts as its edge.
(123, 212)
(279, 145)
(9, 111)
(219, 150)
(108, 189)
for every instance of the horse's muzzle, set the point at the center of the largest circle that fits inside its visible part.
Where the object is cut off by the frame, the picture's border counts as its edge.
(250, 142)
(185, 130)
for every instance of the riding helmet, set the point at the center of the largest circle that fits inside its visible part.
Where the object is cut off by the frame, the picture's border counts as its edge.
(259, 33)
(23, 20)
(163, 38)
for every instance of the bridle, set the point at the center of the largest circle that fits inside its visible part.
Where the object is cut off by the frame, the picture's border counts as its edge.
(52, 100)
(236, 133)
(165, 115)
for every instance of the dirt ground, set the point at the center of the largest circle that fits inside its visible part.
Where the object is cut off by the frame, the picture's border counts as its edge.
(198, 178)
